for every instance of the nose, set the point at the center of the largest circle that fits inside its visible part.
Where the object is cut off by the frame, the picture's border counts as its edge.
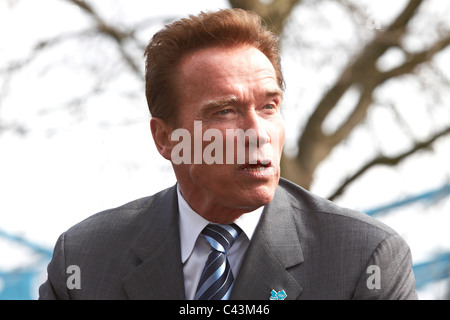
(256, 128)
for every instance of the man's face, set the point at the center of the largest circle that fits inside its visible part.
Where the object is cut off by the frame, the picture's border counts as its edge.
(229, 89)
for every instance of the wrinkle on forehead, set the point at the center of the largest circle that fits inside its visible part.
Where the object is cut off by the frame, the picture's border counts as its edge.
(225, 69)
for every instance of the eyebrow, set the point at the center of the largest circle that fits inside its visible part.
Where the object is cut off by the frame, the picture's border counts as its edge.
(274, 92)
(217, 104)
(228, 100)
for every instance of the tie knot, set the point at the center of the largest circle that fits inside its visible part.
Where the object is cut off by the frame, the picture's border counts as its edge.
(221, 237)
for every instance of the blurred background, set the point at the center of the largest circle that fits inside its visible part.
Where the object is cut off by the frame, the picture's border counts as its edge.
(367, 114)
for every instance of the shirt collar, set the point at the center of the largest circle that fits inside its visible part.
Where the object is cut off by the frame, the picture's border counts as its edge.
(192, 224)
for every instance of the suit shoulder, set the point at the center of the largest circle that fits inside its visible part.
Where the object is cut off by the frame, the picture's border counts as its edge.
(313, 207)
(120, 219)
(339, 244)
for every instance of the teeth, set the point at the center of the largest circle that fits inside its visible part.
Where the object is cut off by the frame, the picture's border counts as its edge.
(255, 169)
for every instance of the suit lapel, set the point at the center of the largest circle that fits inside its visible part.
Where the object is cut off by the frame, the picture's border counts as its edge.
(275, 247)
(160, 273)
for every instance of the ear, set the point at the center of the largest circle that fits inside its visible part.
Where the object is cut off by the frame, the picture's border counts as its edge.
(161, 132)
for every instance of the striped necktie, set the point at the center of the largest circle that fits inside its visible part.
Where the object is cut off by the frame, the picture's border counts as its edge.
(217, 279)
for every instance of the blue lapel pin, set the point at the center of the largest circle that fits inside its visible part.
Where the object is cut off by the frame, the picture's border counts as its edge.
(277, 295)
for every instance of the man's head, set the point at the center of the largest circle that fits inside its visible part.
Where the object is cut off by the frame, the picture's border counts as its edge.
(224, 73)
(224, 28)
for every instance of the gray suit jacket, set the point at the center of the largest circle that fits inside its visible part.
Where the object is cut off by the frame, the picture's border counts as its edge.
(304, 245)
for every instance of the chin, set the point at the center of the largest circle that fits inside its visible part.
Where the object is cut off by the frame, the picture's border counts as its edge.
(255, 199)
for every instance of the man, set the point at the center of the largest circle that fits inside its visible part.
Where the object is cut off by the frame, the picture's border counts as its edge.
(230, 228)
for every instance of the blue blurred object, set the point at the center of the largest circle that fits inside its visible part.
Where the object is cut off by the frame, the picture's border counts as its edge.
(432, 270)
(17, 285)
(429, 196)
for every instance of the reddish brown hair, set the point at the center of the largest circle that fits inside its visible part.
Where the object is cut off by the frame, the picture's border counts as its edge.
(227, 27)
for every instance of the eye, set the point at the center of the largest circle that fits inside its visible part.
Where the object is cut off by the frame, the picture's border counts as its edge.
(224, 112)
(269, 108)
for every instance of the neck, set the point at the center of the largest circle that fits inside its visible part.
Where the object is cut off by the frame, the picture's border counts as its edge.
(214, 212)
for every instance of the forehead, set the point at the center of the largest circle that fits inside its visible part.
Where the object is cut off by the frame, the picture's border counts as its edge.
(233, 56)
(218, 70)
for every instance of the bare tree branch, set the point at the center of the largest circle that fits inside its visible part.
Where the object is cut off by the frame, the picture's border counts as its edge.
(360, 111)
(388, 161)
(313, 145)
(275, 12)
(415, 59)
(39, 48)
(114, 33)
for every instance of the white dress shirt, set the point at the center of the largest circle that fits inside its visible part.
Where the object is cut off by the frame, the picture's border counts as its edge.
(195, 249)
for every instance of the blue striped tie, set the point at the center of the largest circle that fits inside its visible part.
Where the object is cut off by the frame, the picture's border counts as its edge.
(217, 279)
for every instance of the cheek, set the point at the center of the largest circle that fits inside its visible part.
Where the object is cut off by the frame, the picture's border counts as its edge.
(277, 136)
(213, 179)
(281, 139)
(206, 175)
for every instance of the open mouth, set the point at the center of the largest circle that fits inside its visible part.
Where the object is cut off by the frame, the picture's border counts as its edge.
(256, 167)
